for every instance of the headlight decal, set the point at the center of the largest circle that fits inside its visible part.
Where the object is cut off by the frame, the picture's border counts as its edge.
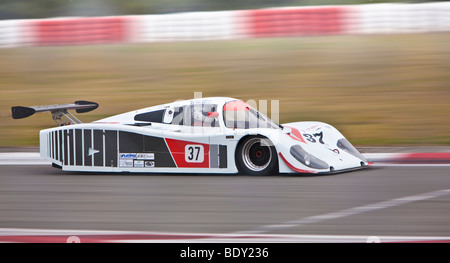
(306, 158)
(345, 145)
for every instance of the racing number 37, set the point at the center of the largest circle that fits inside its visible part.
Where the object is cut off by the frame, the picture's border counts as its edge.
(194, 153)
(310, 137)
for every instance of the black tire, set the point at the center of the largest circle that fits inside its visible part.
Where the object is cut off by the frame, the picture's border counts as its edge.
(256, 155)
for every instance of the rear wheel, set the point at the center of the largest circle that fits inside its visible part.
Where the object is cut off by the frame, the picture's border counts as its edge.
(256, 155)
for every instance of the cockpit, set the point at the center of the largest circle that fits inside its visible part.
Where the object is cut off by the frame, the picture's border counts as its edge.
(236, 115)
(199, 114)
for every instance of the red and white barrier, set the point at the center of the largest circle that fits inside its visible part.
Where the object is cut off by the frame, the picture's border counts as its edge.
(297, 21)
(80, 31)
(224, 25)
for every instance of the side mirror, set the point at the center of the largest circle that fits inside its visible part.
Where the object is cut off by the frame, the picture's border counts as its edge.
(168, 116)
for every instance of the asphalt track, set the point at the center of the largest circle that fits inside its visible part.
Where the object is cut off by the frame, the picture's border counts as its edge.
(379, 201)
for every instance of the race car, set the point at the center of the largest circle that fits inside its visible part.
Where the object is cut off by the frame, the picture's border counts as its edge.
(203, 135)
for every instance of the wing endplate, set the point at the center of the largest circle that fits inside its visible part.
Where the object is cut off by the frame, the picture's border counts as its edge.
(19, 112)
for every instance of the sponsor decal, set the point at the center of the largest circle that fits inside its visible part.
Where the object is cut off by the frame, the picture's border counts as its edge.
(139, 163)
(137, 160)
(128, 156)
(149, 163)
(146, 156)
(126, 163)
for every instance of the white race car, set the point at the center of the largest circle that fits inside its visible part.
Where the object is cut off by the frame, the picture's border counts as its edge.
(206, 135)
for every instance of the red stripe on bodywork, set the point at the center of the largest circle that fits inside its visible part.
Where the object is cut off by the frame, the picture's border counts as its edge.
(177, 149)
(295, 168)
(295, 134)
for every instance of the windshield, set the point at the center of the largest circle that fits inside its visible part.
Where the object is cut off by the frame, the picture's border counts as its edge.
(239, 115)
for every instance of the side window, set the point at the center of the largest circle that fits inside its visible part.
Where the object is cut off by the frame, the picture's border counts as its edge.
(178, 116)
(152, 116)
(204, 115)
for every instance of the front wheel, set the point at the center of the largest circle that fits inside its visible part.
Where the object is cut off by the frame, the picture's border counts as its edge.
(256, 155)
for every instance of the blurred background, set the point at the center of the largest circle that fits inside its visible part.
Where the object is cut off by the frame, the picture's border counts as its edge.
(376, 70)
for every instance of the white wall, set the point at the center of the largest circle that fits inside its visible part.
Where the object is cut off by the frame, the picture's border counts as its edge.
(14, 33)
(400, 18)
(188, 26)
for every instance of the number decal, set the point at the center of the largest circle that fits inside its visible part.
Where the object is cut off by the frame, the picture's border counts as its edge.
(310, 137)
(194, 153)
(320, 135)
(191, 153)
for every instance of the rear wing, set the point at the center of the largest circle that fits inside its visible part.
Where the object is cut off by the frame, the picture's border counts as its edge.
(59, 111)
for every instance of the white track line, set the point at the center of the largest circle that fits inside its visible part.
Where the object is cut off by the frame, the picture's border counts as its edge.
(22, 158)
(347, 212)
